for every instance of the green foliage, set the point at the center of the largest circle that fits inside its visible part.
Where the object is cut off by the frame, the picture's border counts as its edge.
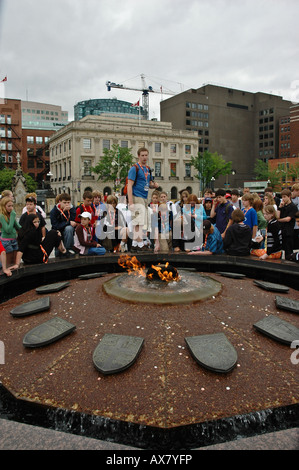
(114, 165)
(30, 183)
(293, 171)
(262, 172)
(6, 177)
(210, 165)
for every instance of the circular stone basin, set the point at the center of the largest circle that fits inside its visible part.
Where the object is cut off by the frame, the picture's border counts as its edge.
(192, 287)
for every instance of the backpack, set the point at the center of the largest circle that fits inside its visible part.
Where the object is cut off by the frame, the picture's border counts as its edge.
(125, 190)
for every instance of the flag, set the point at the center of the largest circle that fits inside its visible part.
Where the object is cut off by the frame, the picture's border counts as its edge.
(135, 104)
(4, 79)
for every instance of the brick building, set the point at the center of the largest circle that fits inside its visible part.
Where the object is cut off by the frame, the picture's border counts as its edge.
(288, 147)
(294, 131)
(35, 153)
(10, 131)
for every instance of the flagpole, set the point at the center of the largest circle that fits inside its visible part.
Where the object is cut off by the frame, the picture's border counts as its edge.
(139, 111)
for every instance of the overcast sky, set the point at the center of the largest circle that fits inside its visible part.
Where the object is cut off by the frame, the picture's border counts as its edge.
(63, 51)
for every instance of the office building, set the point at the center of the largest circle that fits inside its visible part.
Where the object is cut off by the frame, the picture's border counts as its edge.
(113, 106)
(239, 125)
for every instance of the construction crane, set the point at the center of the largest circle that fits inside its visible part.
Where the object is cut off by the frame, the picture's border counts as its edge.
(145, 93)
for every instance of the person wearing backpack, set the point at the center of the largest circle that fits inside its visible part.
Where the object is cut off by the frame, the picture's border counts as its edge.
(140, 180)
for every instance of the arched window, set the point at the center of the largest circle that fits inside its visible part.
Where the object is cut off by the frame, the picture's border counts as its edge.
(174, 192)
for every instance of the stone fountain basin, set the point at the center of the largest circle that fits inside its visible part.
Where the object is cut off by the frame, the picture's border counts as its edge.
(165, 388)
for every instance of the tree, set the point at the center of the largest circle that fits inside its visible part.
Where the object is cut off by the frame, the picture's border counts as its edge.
(114, 165)
(293, 171)
(210, 165)
(6, 177)
(262, 172)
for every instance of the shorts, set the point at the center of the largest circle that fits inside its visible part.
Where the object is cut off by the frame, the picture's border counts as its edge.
(9, 244)
(140, 213)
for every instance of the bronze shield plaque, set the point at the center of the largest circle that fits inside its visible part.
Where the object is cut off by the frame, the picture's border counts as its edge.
(287, 304)
(116, 353)
(214, 352)
(30, 308)
(278, 329)
(271, 287)
(57, 286)
(48, 332)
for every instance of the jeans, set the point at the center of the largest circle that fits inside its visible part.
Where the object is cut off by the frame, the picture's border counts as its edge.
(68, 237)
(100, 250)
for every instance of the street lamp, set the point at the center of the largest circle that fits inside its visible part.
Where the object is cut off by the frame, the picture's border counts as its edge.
(212, 183)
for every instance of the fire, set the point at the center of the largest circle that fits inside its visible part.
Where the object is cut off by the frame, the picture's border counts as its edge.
(163, 272)
(132, 265)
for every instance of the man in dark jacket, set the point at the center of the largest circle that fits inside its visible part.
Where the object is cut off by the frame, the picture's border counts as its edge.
(62, 218)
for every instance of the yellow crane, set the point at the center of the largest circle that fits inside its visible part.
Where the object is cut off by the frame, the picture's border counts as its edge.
(145, 93)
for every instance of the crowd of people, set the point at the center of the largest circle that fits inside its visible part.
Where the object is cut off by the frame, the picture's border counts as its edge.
(224, 221)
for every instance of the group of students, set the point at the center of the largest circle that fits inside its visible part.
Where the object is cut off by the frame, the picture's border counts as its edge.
(221, 222)
(267, 227)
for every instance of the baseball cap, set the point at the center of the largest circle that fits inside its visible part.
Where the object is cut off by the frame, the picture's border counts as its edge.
(86, 215)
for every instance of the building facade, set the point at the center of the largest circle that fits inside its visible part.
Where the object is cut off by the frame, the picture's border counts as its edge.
(10, 132)
(289, 148)
(239, 125)
(294, 124)
(43, 116)
(35, 153)
(80, 145)
(107, 106)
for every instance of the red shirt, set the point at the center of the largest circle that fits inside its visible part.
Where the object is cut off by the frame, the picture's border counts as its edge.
(1, 248)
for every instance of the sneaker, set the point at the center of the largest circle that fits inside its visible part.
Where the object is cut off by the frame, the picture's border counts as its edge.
(67, 254)
(143, 249)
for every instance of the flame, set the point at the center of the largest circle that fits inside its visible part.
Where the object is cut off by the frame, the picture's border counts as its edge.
(132, 265)
(164, 274)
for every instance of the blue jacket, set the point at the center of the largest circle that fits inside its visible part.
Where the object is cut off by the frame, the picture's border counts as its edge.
(214, 242)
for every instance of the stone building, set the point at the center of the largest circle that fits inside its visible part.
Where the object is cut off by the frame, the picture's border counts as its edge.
(79, 146)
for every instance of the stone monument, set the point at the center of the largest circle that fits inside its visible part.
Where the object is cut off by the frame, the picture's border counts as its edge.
(19, 188)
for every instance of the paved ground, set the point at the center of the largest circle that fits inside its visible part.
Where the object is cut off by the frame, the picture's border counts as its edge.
(17, 436)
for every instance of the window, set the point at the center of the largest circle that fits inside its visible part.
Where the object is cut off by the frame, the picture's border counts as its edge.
(87, 144)
(106, 144)
(30, 139)
(158, 169)
(157, 147)
(2, 118)
(188, 170)
(124, 144)
(172, 148)
(2, 145)
(39, 140)
(173, 169)
(2, 131)
(188, 149)
(87, 167)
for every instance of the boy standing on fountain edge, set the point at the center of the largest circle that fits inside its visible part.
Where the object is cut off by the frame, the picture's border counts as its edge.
(140, 180)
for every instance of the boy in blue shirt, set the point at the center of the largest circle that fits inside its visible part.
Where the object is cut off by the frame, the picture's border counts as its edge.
(140, 180)
(250, 213)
